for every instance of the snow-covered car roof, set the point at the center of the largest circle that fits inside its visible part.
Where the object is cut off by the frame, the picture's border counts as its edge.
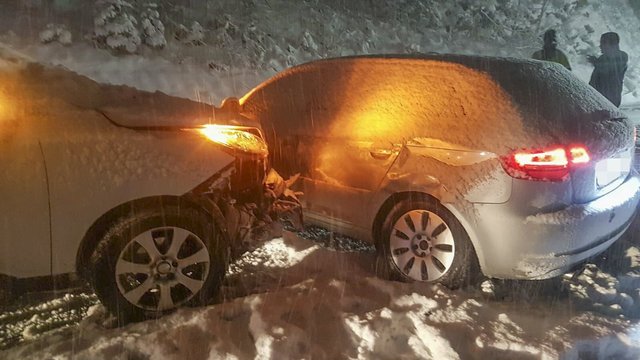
(489, 103)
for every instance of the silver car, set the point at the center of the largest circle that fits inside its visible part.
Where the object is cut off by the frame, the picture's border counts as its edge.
(452, 165)
(141, 194)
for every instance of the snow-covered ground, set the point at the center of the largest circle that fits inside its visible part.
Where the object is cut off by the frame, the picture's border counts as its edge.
(314, 296)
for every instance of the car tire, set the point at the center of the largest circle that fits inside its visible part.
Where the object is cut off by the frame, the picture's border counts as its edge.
(157, 258)
(420, 240)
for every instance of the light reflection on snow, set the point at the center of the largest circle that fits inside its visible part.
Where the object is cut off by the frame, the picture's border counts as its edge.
(618, 198)
(634, 335)
(276, 253)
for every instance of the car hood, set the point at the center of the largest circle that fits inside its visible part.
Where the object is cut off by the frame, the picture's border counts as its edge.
(121, 105)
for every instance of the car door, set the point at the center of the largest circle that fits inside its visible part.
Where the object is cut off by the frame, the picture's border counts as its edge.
(345, 172)
(25, 242)
(312, 122)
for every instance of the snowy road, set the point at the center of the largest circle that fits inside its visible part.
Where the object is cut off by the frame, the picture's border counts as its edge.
(319, 298)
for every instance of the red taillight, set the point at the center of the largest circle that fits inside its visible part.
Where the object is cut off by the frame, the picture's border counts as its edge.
(579, 155)
(549, 158)
(551, 164)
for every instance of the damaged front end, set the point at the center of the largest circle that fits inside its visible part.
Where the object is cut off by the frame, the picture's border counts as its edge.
(259, 215)
(247, 199)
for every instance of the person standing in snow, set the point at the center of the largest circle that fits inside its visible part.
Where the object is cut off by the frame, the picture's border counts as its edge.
(609, 68)
(550, 52)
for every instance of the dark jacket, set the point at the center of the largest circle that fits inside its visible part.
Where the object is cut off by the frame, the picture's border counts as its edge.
(608, 74)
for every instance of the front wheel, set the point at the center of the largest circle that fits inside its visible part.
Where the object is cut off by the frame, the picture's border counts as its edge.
(156, 259)
(422, 241)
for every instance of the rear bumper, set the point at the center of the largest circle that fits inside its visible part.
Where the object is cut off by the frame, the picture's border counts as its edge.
(518, 245)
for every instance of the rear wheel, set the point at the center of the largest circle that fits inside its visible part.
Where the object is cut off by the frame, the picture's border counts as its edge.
(422, 241)
(156, 259)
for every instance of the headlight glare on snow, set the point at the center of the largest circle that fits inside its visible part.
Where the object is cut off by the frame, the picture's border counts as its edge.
(236, 138)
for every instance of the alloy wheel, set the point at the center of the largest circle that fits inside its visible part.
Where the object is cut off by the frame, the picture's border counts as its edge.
(162, 268)
(422, 245)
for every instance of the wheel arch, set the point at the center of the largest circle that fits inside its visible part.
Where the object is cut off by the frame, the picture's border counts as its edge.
(100, 226)
(386, 207)
(394, 198)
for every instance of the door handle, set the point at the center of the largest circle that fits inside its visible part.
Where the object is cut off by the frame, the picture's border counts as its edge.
(381, 154)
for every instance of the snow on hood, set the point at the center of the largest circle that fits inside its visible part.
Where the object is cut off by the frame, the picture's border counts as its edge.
(123, 105)
(492, 104)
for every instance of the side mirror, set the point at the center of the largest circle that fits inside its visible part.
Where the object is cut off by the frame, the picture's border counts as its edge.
(230, 104)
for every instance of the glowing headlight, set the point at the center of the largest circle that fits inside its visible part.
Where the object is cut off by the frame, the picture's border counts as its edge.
(236, 138)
